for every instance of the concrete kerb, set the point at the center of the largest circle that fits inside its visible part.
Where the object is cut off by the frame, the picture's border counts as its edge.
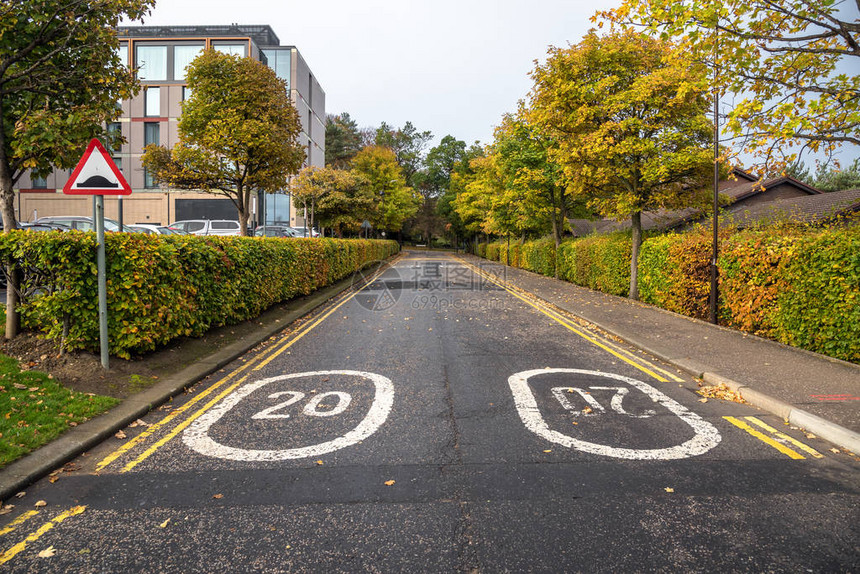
(827, 430)
(39, 463)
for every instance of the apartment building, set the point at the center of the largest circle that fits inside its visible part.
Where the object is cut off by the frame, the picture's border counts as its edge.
(160, 54)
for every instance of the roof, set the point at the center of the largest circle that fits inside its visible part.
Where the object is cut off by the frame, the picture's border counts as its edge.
(745, 186)
(809, 209)
(262, 35)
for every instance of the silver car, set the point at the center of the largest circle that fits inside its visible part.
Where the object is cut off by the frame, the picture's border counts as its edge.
(207, 226)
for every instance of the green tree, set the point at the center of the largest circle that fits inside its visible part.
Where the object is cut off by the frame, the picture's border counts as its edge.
(61, 77)
(834, 179)
(238, 133)
(629, 120)
(335, 198)
(342, 140)
(408, 145)
(788, 62)
(474, 202)
(395, 201)
(461, 172)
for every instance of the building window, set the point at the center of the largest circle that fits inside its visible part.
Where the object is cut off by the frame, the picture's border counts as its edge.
(151, 133)
(152, 63)
(231, 49)
(114, 130)
(152, 104)
(182, 56)
(40, 183)
(279, 61)
(186, 93)
(148, 179)
(122, 52)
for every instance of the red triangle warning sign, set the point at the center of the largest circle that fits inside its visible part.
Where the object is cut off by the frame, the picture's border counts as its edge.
(97, 174)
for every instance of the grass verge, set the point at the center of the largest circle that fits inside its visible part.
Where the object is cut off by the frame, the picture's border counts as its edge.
(35, 409)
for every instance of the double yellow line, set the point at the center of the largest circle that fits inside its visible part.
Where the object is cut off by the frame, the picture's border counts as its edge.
(638, 362)
(780, 443)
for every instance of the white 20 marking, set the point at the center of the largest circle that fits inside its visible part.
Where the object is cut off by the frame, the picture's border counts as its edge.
(311, 409)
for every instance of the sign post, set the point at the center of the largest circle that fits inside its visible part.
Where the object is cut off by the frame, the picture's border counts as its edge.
(97, 174)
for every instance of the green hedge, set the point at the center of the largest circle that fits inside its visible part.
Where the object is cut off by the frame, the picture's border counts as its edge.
(797, 286)
(160, 288)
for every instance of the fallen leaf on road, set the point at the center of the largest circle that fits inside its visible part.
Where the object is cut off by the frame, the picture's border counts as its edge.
(549, 450)
(21, 494)
(588, 410)
(6, 508)
(389, 482)
(667, 489)
(703, 400)
(47, 552)
(810, 435)
(319, 462)
(40, 504)
(138, 423)
(576, 423)
(835, 450)
(218, 496)
(164, 524)
(721, 392)
(120, 435)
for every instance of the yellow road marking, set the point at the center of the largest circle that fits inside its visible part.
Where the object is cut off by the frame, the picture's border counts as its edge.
(808, 449)
(18, 522)
(15, 550)
(765, 439)
(568, 326)
(280, 349)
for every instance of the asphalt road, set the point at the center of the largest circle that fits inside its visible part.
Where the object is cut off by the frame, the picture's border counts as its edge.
(437, 422)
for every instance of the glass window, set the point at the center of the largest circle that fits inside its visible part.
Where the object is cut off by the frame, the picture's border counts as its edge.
(182, 56)
(152, 62)
(224, 225)
(148, 179)
(114, 130)
(151, 133)
(122, 52)
(193, 226)
(186, 93)
(39, 183)
(232, 49)
(279, 61)
(152, 103)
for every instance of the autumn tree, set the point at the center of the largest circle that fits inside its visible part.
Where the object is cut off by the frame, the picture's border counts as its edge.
(629, 120)
(61, 77)
(474, 204)
(337, 199)
(342, 140)
(790, 64)
(459, 175)
(395, 201)
(238, 133)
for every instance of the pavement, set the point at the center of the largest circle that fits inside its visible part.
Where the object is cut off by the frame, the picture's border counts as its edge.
(814, 392)
(811, 391)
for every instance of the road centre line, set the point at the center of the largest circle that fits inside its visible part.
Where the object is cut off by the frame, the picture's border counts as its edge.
(18, 522)
(568, 326)
(270, 357)
(785, 437)
(18, 548)
(765, 439)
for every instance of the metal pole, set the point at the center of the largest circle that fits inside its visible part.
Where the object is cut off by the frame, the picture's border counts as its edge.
(119, 212)
(100, 261)
(714, 296)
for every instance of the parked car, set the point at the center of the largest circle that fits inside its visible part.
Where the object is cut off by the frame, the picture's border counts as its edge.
(81, 223)
(43, 226)
(151, 229)
(303, 232)
(207, 226)
(276, 231)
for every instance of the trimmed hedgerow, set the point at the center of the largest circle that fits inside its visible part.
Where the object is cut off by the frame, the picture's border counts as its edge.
(163, 287)
(800, 288)
(797, 286)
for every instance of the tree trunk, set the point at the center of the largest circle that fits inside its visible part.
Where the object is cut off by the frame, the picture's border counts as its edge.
(556, 236)
(244, 205)
(10, 222)
(636, 221)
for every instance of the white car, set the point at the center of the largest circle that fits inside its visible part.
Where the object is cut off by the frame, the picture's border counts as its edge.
(150, 229)
(207, 226)
(303, 232)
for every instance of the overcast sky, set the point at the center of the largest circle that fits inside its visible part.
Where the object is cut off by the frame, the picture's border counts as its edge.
(450, 67)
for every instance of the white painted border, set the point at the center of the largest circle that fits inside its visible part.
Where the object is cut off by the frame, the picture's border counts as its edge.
(197, 438)
(706, 435)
